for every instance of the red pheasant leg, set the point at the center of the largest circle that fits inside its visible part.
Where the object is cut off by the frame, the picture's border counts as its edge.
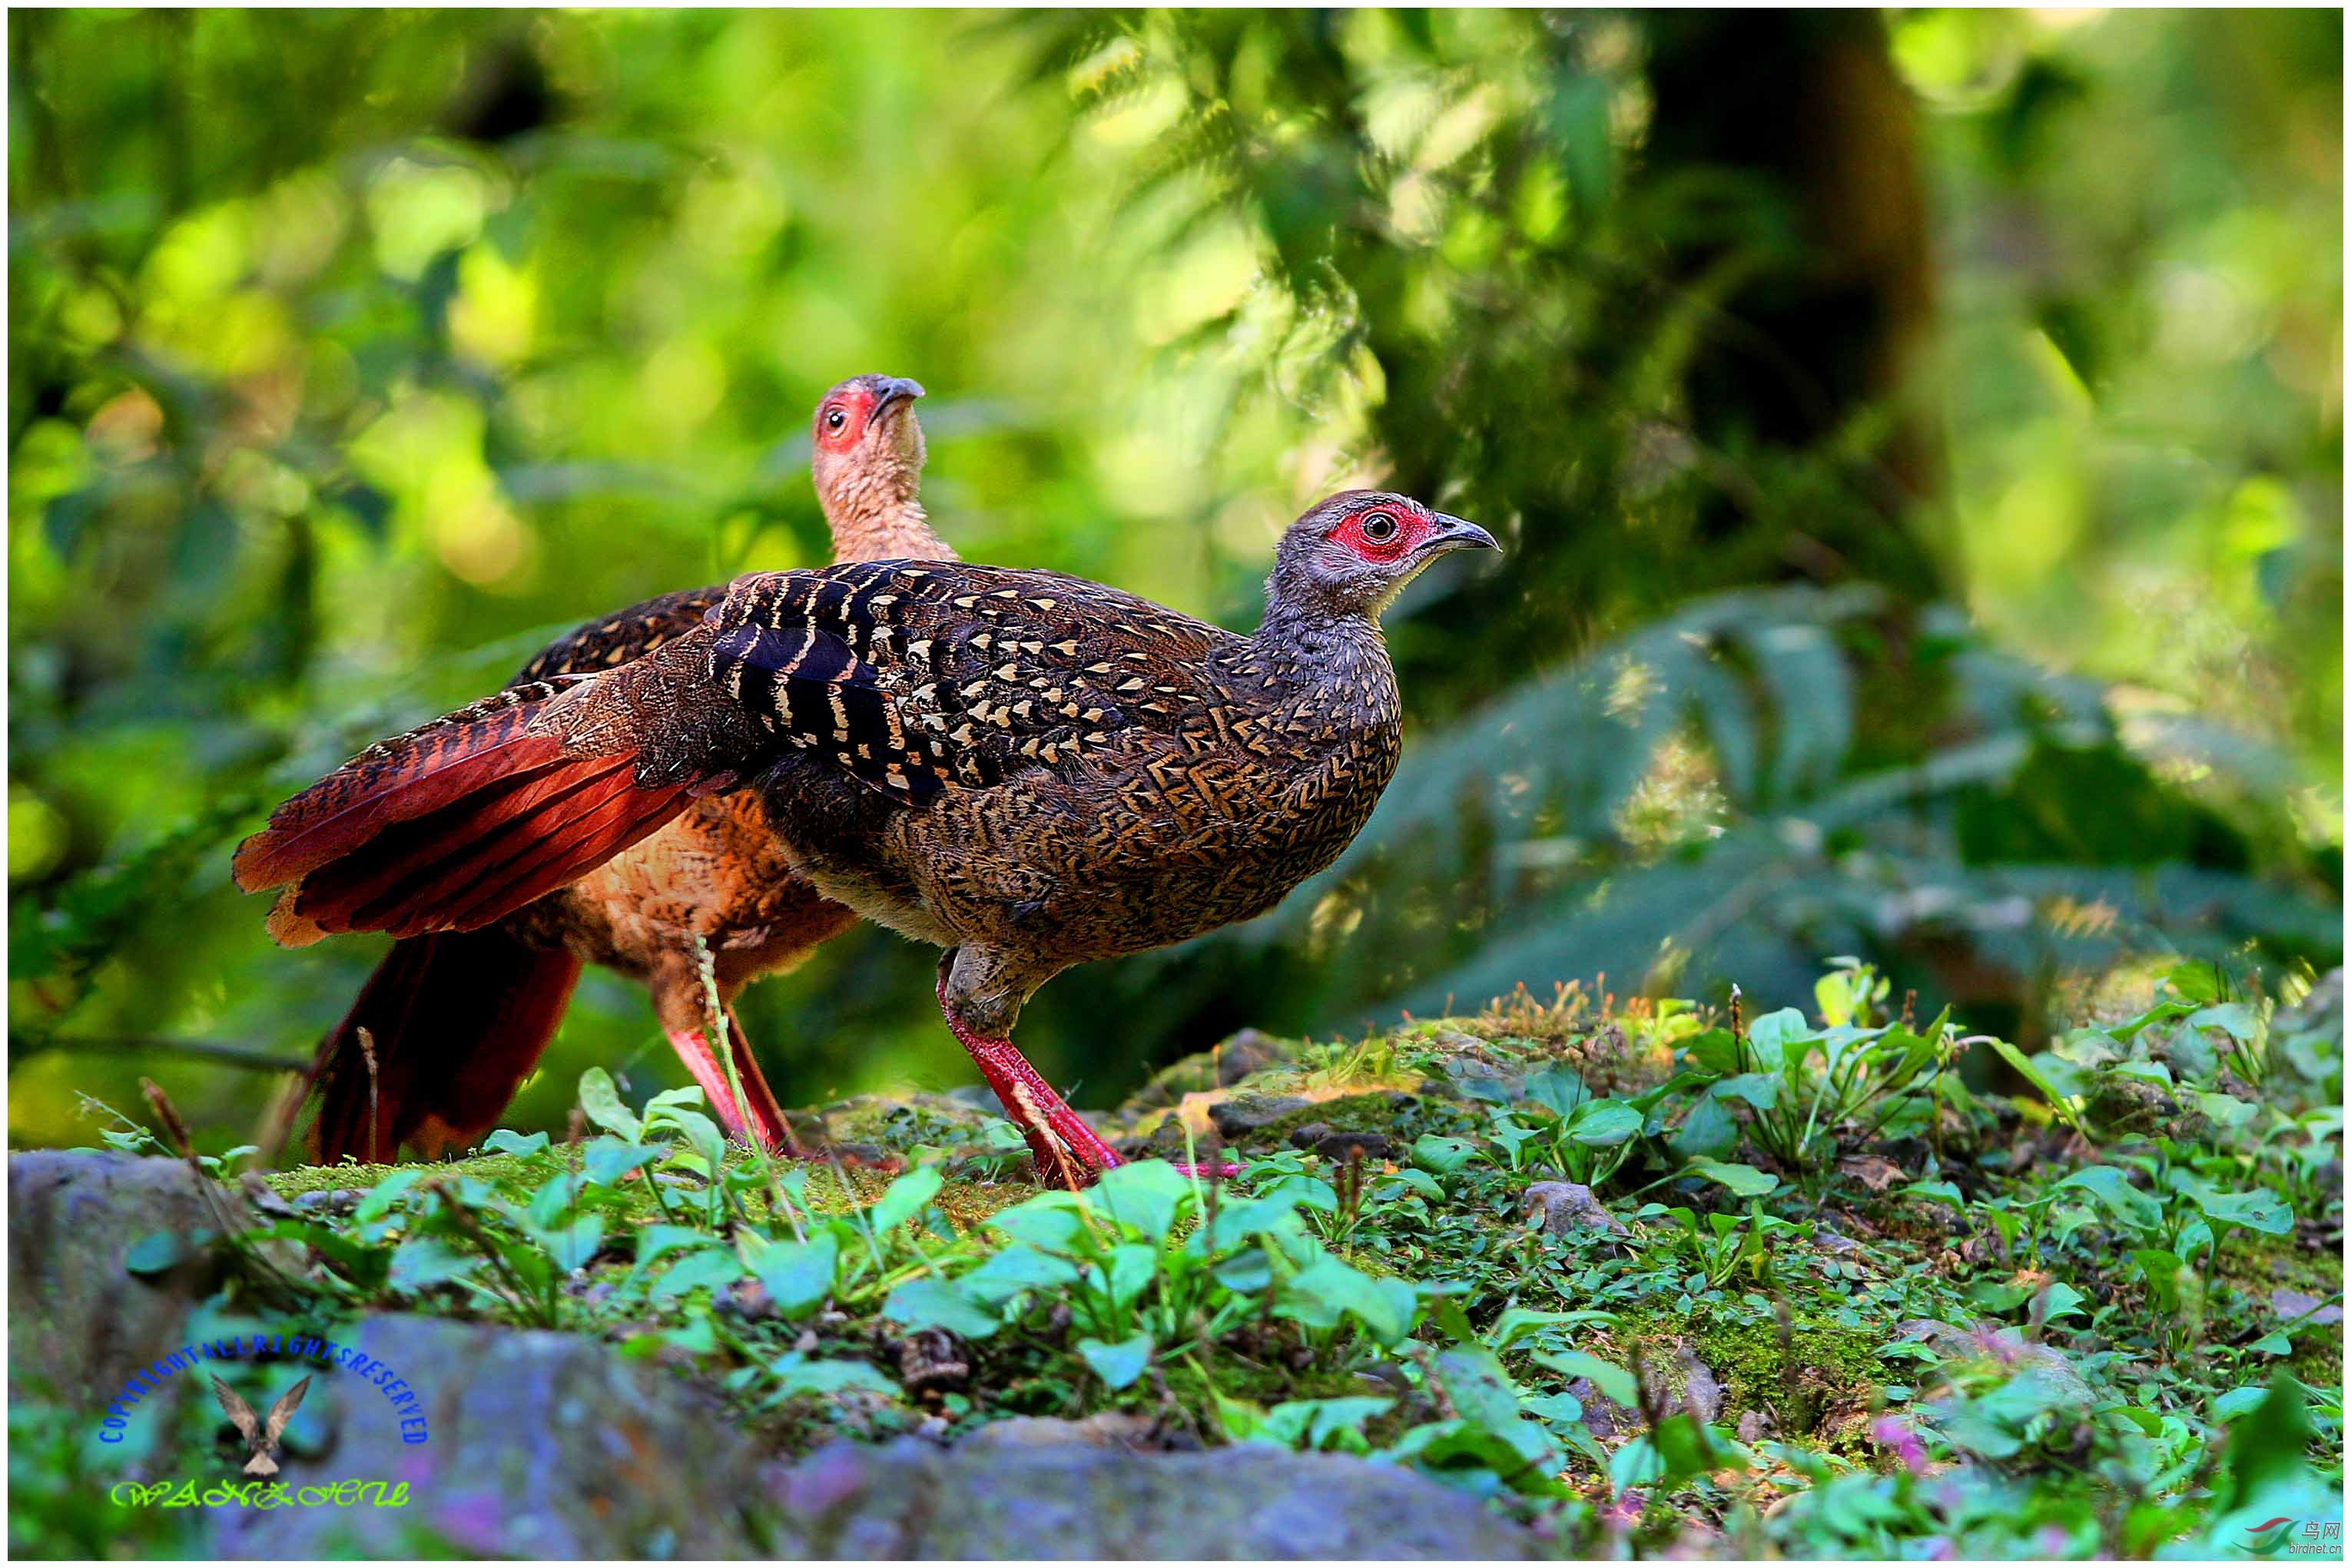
(1059, 1139)
(1064, 1146)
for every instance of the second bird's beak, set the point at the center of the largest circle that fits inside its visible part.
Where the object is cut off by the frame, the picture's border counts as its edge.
(1456, 533)
(895, 389)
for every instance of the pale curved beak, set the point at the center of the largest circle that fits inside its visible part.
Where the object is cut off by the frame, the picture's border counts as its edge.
(894, 389)
(1456, 533)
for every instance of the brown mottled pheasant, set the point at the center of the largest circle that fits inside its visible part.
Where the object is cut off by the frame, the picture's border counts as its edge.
(459, 1017)
(1028, 769)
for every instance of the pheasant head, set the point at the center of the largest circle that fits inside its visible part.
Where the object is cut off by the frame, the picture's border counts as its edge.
(1351, 555)
(868, 471)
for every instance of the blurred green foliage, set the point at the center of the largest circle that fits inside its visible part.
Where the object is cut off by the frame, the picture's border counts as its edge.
(1917, 439)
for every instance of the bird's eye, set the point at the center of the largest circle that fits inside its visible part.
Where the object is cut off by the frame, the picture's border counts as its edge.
(834, 419)
(1380, 527)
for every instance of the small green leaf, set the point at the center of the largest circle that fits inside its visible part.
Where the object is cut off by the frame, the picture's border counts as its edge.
(602, 1104)
(156, 1252)
(1118, 1365)
(607, 1159)
(384, 1194)
(906, 1197)
(571, 1246)
(506, 1140)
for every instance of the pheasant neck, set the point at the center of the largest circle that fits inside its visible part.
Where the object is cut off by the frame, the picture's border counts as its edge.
(1304, 639)
(894, 530)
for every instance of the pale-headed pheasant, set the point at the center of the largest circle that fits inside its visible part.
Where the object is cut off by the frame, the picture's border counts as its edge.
(1026, 768)
(458, 1018)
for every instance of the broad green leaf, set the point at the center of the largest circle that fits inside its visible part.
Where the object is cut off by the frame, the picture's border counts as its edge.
(425, 1260)
(1706, 1130)
(1017, 1268)
(799, 1275)
(2235, 1019)
(930, 1304)
(1613, 1382)
(1328, 1289)
(1744, 1180)
(1603, 1123)
(602, 1104)
(797, 1374)
(657, 1238)
(1558, 1087)
(1441, 1154)
(1050, 1220)
(1517, 1321)
(1761, 1089)
(712, 1267)
(2112, 1187)
(1772, 1037)
(2061, 1104)
(1118, 1365)
(1129, 1271)
(1144, 1195)
(2259, 1210)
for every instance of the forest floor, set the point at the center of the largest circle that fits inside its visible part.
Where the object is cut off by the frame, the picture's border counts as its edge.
(1644, 1278)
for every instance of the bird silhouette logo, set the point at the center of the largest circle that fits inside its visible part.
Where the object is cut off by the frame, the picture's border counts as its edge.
(261, 1438)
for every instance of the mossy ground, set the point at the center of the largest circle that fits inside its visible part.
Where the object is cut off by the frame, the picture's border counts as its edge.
(1802, 1338)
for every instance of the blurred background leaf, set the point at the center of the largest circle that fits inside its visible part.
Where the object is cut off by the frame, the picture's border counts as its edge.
(1917, 437)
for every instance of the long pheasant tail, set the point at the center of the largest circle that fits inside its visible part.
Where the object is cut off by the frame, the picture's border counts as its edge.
(458, 1021)
(449, 827)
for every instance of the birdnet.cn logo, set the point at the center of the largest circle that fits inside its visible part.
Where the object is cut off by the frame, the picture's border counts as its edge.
(2285, 1537)
(245, 1470)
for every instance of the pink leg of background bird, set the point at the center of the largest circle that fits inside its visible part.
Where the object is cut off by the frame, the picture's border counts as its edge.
(767, 1129)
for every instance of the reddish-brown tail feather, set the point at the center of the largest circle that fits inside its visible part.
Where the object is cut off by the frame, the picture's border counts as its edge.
(449, 828)
(458, 1021)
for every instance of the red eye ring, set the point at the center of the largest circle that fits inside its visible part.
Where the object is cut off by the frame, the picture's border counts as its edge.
(1381, 527)
(834, 419)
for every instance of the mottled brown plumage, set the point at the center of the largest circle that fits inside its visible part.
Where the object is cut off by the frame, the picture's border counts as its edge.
(1026, 768)
(460, 1018)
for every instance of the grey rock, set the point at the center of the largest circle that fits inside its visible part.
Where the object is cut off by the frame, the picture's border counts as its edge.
(1699, 1393)
(1339, 1143)
(2292, 1304)
(539, 1445)
(1066, 1501)
(80, 1322)
(2008, 1346)
(1701, 1390)
(1244, 1114)
(1107, 1429)
(1567, 1207)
